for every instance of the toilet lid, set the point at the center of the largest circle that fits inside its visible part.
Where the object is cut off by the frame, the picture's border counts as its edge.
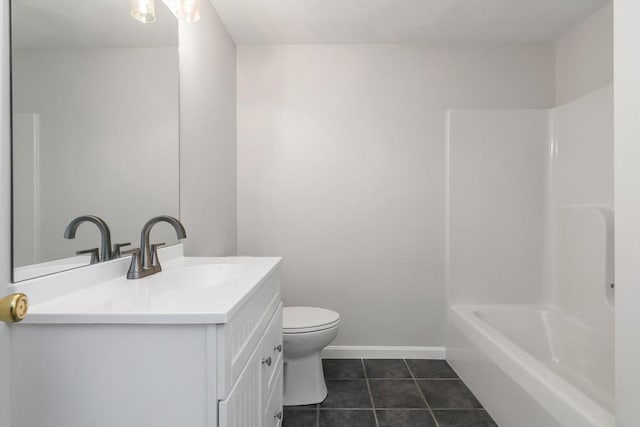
(308, 319)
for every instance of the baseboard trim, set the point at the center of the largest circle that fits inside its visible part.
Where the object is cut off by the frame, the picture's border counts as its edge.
(382, 352)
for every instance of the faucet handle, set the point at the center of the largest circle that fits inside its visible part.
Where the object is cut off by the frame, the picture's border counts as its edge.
(95, 254)
(117, 249)
(155, 261)
(130, 251)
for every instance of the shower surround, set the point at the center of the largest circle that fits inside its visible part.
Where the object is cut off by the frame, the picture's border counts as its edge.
(530, 260)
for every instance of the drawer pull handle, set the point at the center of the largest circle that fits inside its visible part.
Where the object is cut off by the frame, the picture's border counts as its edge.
(267, 361)
(278, 415)
(278, 348)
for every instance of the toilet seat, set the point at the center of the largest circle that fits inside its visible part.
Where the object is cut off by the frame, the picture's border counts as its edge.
(298, 320)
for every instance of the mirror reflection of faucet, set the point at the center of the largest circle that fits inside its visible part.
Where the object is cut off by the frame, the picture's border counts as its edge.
(95, 254)
(104, 253)
(144, 260)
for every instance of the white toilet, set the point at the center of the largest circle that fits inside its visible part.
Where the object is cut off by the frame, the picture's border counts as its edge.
(306, 331)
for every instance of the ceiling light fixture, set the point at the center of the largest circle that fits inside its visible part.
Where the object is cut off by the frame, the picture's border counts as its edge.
(184, 10)
(143, 11)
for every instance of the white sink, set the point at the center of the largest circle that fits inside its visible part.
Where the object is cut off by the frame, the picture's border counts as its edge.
(194, 277)
(189, 290)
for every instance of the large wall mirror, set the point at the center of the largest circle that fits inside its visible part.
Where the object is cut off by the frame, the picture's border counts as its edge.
(95, 103)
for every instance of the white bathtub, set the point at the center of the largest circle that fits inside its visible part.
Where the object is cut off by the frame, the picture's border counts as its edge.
(533, 366)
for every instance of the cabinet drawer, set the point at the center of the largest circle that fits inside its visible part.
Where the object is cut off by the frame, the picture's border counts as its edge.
(272, 349)
(273, 410)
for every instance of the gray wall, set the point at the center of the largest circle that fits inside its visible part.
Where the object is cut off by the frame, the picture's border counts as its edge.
(341, 170)
(208, 136)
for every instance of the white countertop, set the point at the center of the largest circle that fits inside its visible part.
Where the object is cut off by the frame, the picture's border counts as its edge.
(150, 300)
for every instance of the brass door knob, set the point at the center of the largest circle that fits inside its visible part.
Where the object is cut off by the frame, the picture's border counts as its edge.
(13, 308)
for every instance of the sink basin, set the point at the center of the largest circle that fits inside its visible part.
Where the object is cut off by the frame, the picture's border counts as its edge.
(194, 277)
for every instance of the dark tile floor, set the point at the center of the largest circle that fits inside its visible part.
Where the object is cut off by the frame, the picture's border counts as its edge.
(391, 393)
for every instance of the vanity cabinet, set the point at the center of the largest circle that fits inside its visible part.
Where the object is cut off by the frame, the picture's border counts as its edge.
(180, 368)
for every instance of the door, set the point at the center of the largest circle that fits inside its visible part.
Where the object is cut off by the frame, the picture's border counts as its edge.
(627, 206)
(4, 375)
(5, 208)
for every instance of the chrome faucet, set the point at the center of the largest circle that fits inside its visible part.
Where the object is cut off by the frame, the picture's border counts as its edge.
(105, 234)
(145, 261)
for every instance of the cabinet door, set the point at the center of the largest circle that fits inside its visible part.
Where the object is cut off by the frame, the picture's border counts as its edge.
(242, 408)
(272, 352)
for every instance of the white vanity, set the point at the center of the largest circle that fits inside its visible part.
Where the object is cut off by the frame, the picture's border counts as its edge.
(196, 345)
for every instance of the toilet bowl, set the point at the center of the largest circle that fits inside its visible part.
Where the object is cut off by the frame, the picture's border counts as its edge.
(306, 331)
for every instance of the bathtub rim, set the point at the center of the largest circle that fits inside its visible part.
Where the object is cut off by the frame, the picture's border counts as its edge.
(566, 403)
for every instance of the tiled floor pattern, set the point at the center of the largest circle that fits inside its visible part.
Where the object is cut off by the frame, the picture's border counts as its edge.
(391, 393)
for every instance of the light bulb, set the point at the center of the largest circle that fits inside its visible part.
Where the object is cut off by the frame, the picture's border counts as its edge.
(143, 11)
(188, 10)
(185, 10)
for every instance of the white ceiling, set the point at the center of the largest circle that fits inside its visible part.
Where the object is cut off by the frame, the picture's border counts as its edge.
(87, 24)
(401, 21)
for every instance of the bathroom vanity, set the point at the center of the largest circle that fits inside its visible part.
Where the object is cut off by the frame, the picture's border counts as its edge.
(198, 344)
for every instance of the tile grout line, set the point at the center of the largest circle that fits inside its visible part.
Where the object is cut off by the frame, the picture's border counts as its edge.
(399, 378)
(373, 405)
(421, 394)
(393, 408)
(461, 409)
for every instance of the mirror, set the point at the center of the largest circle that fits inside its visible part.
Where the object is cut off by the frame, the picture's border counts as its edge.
(95, 104)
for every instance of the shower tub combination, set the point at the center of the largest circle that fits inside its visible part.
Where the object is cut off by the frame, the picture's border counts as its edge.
(532, 366)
